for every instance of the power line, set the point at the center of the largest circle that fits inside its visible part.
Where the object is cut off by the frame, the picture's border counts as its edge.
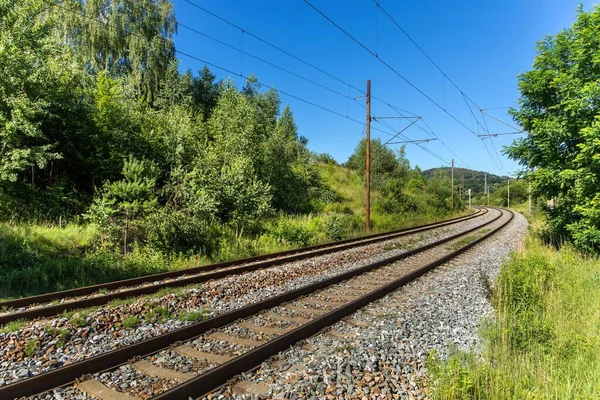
(278, 48)
(464, 95)
(245, 77)
(389, 66)
(77, 12)
(387, 124)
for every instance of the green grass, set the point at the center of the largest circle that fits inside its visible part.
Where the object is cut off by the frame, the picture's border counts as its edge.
(54, 332)
(195, 315)
(158, 314)
(30, 347)
(544, 341)
(13, 326)
(131, 322)
(467, 239)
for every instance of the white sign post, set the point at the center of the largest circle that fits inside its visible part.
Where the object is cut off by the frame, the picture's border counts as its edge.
(469, 198)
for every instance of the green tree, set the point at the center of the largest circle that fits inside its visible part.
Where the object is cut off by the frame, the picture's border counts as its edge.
(124, 38)
(384, 161)
(124, 205)
(559, 109)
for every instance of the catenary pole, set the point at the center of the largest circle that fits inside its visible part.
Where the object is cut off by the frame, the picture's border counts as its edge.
(368, 166)
(452, 185)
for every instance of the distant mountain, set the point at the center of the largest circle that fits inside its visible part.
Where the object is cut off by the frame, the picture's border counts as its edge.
(471, 179)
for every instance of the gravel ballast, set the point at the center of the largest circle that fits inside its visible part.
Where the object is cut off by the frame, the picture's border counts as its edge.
(104, 331)
(385, 357)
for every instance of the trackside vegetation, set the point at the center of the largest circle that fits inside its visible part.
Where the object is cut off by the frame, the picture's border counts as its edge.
(558, 109)
(114, 163)
(544, 340)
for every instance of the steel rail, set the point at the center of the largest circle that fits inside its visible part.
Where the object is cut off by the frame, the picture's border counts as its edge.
(68, 374)
(207, 382)
(271, 259)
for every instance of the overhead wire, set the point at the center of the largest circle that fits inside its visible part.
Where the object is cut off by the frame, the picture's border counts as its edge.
(466, 98)
(388, 66)
(78, 12)
(278, 48)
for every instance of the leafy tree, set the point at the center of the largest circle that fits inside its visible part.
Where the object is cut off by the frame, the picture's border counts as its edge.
(559, 108)
(124, 205)
(125, 38)
(384, 161)
(24, 145)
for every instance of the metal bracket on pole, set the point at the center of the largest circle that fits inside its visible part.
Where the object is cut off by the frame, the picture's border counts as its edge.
(402, 130)
(413, 141)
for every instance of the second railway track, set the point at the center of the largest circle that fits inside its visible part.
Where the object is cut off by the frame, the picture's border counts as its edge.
(51, 304)
(231, 343)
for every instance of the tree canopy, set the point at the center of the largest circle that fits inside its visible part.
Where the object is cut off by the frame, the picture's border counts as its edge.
(559, 108)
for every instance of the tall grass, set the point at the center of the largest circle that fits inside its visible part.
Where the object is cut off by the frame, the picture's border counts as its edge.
(544, 342)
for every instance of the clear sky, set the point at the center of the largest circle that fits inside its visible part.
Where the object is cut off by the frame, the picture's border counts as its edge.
(481, 46)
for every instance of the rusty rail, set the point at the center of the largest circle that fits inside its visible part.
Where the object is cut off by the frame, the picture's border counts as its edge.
(271, 259)
(207, 382)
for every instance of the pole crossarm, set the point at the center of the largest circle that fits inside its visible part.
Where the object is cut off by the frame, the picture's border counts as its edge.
(481, 110)
(414, 141)
(402, 130)
(397, 117)
(499, 134)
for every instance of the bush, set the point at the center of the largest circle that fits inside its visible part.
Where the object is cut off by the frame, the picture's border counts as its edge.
(291, 231)
(174, 231)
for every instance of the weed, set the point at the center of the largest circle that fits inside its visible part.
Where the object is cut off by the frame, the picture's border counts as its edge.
(159, 314)
(13, 326)
(121, 302)
(486, 283)
(131, 322)
(30, 347)
(79, 319)
(54, 332)
(345, 347)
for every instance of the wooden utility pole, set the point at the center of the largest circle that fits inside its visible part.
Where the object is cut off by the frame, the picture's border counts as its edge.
(452, 192)
(508, 194)
(368, 177)
(462, 192)
(529, 184)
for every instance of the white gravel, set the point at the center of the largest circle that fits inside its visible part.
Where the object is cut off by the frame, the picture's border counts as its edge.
(103, 332)
(387, 358)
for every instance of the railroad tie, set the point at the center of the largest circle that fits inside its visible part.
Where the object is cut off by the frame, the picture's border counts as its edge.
(361, 324)
(323, 302)
(247, 387)
(285, 318)
(148, 368)
(313, 348)
(221, 337)
(338, 335)
(94, 388)
(356, 291)
(305, 310)
(262, 329)
(190, 352)
(340, 297)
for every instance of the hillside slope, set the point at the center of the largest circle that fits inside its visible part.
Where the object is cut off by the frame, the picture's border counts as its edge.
(471, 179)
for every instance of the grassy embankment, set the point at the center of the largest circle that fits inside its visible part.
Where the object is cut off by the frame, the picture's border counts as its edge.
(544, 341)
(38, 258)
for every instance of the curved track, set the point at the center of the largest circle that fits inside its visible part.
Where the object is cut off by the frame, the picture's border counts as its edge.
(305, 311)
(41, 306)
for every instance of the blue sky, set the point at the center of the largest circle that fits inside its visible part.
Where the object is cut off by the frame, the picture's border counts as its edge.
(481, 46)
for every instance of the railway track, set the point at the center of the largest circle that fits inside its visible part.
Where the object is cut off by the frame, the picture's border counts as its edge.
(51, 304)
(219, 348)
